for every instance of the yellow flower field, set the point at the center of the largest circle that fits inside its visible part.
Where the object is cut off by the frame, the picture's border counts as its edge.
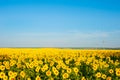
(59, 64)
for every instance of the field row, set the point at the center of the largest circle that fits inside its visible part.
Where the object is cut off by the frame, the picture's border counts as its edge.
(59, 64)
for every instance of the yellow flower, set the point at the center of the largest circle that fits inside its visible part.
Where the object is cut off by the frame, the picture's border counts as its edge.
(69, 70)
(2, 74)
(56, 72)
(27, 65)
(7, 67)
(22, 74)
(0, 62)
(31, 65)
(58, 66)
(10, 73)
(53, 69)
(35, 63)
(106, 65)
(65, 75)
(6, 62)
(64, 66)
(12, 62)
(83, 78)
(5, 78)
(67, 61)
(108, 78)
(37, 78)
(2, 67)
(103, 76)
(111, 71)
(51, 63)
(40, 62)
(45, 67)
(77, 63)
(48, 73)
(19, 65)
(118, 72)
(95, 67)
(63, 71)
(51, 78)
(37, 69)
(12, 78)
(15, 74)
(117, 63)
(28, 78)
(98, 75)
(117, 69)
(75, 70)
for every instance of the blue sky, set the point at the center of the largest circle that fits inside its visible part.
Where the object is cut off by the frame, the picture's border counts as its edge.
(59, 23)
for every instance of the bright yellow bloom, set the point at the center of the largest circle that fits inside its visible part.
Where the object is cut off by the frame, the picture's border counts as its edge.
(37, 69)
(51, 63)
(40, 62)
(98, 75)
(53, 69)
(67, 61)
(111, 71)
(83, 78)
(45, 67)
(11, 73)
(28, 78)
(5, 78)
(65, 75)
(2, 67)
(58, 66)
(7, 67)
(2, 74)
(37, 78)
(51, 78)
(15, 74)
(12, 78)
(108, 78)
(22, 74)
(12, 62)
(48, 73)
(31, 65)
(103, 76)
(56, 72)
(75, 70)
(0, 62)
(106, 65)
(118, 72)
(117, 63)
(95, 67)
(69, 70)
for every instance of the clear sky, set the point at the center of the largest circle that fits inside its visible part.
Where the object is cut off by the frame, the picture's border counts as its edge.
(59, 23)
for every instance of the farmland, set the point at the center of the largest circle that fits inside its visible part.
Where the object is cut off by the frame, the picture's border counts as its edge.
(59, 64)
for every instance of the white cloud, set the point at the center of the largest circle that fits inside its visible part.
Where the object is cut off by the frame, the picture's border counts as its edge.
(65, 39)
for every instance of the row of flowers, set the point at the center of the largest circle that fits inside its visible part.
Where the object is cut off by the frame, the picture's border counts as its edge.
(59, 64)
